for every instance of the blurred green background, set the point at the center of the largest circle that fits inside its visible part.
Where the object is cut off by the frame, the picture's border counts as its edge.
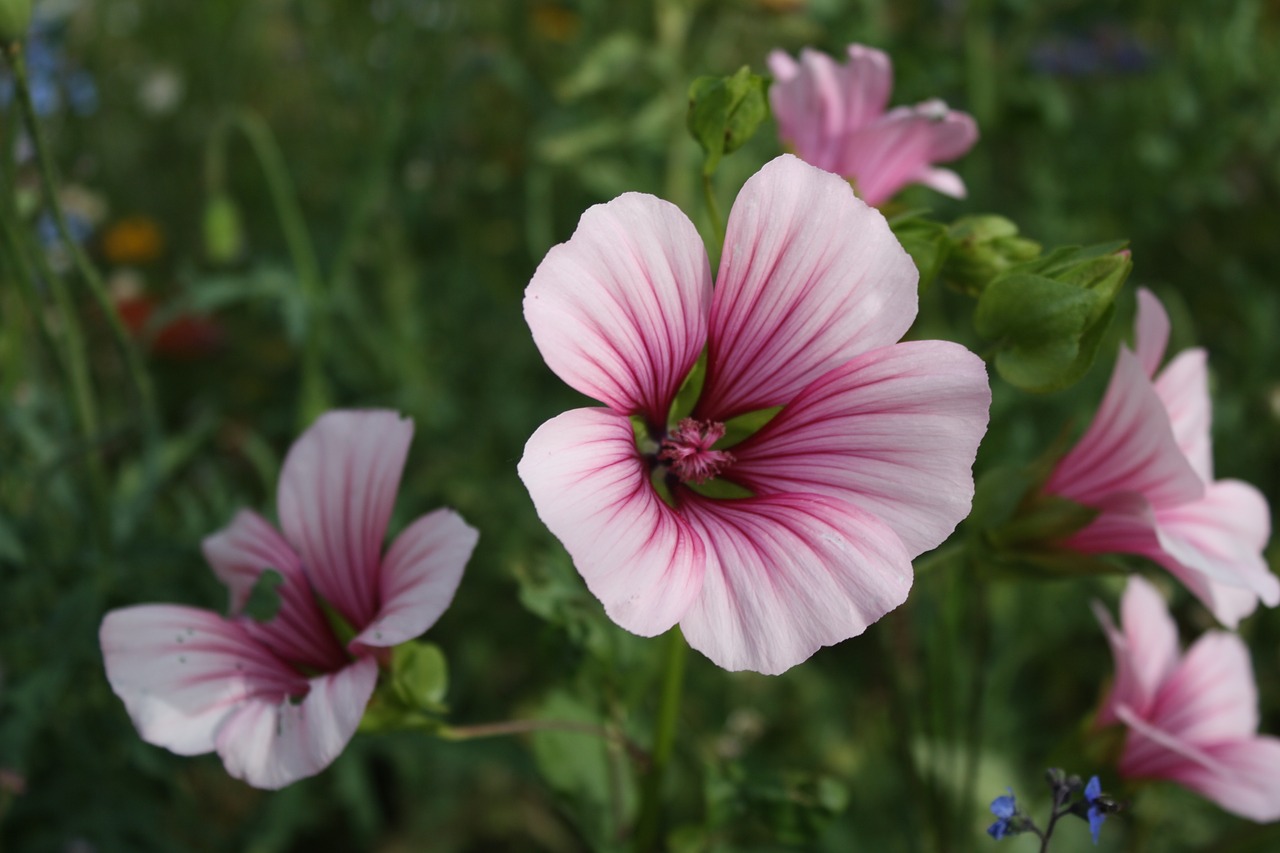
(437, 149)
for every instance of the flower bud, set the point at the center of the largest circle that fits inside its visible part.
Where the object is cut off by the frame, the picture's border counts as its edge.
(15, 19)
(223, 230)
(983, 247)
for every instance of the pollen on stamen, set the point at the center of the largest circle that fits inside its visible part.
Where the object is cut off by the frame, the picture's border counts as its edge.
(687, 449)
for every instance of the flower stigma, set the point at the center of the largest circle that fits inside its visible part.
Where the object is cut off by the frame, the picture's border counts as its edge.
(687, 449)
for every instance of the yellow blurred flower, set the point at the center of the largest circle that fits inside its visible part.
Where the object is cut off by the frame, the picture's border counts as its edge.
(133, 240)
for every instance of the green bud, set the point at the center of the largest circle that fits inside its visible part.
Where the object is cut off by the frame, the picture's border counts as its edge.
(419, 675)
(982, 248)
(15, 19)
(224, 241)
(724, 112)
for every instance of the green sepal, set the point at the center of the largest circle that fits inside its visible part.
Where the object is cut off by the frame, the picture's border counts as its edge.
(724, 112)
(263, 602)
(983, 247)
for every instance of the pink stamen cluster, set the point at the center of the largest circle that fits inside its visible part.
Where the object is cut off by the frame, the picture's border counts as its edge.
(688, 450)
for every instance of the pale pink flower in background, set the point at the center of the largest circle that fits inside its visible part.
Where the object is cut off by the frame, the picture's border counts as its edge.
(1146, 464)
(1193, 718)
(278, 700)
(834, 117)
(868, 463)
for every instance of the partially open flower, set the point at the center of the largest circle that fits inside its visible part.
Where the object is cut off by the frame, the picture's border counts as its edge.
(279, 697)
(1193, 718)
(835, 117)
(1145, 463)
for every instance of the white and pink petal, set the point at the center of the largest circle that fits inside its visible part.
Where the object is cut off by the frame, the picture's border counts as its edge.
(787, 575)
(619, 312)
(893, 432)
(271, 742)
(420, 573)
(239, 554)
(1129, 447)
(181, 672)
(810, 278)
(591, 488)
(337, 490)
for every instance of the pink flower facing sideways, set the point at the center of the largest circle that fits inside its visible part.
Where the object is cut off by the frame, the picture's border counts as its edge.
(867, 464)
(1146, 464)
(834, 117)
(278, 700)
(1193, 718)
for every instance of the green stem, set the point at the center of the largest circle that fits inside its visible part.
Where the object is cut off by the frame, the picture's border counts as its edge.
(302, 252)
(48, 182)
(713, 209)
(520, 727)
(664, 739)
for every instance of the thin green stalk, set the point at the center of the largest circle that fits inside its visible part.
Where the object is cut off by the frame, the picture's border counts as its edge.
(521, 727)
(713, 209)
(48, 182)
(649, 823)
(302, 252)
(979, 626)
(71, 354)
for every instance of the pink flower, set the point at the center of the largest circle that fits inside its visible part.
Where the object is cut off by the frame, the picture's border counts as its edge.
(867, 464)
(834, 117)
(279, 699)
(1146, 464)
(1192, 718)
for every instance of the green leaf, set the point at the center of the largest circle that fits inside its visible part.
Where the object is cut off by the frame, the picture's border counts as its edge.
(926, 242)
(264, 598)
(724, 112)
(1037, 324)
(420, 675)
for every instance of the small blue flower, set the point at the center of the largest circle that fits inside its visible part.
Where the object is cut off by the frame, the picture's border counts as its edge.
(1004, 808)
(1097, 815)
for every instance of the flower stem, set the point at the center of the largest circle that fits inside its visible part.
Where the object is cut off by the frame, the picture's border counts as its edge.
(72, 355)
(664, 738)
(713, 209)
(306, 265)
(520, 727)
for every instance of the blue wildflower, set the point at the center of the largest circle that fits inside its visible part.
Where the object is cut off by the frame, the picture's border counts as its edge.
(1005, 808)
(1097, 809)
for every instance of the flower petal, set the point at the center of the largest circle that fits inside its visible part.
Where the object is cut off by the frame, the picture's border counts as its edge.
(420, 574)
(808, 100)
(1210, 696)
(270, 744)
(1151, 331)
(239, 554)
(810, 278)
(591, 488)
(336, 493)
(1183, 387)
(787, 575)
(944, 181)
(867, 79)
(901, 147)
(1145, 649)
(1221, 537)
(181, 671)
(1129, 447)
(893, 432)
(1246, 780)
(619, 311)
